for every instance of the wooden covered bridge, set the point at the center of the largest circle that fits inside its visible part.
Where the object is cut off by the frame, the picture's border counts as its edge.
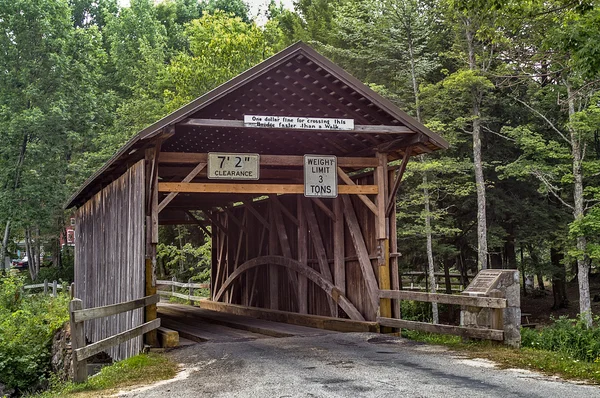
(286, 167)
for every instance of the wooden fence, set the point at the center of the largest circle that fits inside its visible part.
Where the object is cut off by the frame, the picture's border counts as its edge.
(54, 285)
(497, 304)
(78, 315)
(416, 280)
(174, 285)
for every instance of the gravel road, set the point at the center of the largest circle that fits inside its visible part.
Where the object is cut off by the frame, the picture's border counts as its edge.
(347, 365)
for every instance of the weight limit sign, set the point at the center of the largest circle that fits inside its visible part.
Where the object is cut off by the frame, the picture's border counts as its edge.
(320, 176)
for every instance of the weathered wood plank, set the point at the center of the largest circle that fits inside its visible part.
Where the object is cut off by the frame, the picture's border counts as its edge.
(362, 129)
(187, 178)
(95, 348)
(368, 202)
(317, 239)
(265, 160)
(302, 256)
(196, 187)
(487, 334)
(77, 341)
(362, 253)
(310, 273)
(391, 202)
(339, 264)
(324, 208)
(314, 321)
(183, 285)
(484, 302)
(99, 312)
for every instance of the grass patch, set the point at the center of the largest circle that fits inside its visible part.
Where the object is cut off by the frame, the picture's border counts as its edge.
(141, 369)
(547, 362)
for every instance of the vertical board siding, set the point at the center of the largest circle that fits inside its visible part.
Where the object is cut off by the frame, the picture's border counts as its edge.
(109, 257)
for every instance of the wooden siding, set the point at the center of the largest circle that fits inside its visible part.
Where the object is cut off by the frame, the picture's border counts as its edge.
(278, 234)
(109, 257)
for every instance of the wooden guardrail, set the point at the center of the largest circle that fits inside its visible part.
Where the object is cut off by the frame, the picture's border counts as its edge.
(189, 285)
(54, 285)
(78, 315)
(498, 304)
(419, 280)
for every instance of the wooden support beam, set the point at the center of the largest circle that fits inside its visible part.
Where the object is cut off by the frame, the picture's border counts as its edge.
(191, 187)
(317, 239)
(296, 266)
(362, 253)
(283, 209)
(339, 265)
(215, 221)
(302, 256)
(252, 209)
(324, 207)
(284, 243)
(187, 178)
(362, 129)
(391, 203)
(394, 271)
(198, 222)
(273, 271)
(265, 160)
(487, 334)
(351, 183)
(483, 302)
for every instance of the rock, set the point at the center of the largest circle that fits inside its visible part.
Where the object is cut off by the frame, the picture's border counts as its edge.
(5, 391)
(61, 353)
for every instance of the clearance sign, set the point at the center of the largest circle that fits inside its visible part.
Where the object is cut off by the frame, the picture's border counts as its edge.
(233, 166)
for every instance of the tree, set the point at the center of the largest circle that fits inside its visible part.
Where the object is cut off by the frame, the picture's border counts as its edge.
(556, 144)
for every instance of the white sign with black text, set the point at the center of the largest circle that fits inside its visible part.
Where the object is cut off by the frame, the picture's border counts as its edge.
(320, 176)
(293, 122)
(233, 166)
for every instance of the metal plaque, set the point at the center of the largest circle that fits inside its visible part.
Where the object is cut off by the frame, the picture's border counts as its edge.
(233, 166)
(483, 282)
(320, 176)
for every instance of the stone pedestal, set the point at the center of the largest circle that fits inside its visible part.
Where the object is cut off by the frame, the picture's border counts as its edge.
(496, 284)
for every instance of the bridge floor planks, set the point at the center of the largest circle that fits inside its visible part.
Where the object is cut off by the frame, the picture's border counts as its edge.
(202, 325)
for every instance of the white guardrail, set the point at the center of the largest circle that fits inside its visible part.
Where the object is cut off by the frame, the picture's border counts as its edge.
(47, 286)
(189, 285)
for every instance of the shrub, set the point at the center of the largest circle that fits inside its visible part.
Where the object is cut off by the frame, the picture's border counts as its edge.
(27, 325)
(568, 336)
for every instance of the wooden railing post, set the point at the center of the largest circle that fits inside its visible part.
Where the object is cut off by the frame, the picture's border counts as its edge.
(45, 287)
(173, 279)
(77, 341)
(191, 291)
(54, 288)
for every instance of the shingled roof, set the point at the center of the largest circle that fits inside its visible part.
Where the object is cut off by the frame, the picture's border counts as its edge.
(298, 82)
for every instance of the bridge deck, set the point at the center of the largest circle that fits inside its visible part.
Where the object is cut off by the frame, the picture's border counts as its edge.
(202, 325)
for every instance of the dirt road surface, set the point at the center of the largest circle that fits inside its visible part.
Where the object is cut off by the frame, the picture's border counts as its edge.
(347, 365)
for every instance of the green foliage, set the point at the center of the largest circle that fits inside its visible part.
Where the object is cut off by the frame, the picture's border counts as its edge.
(27, 325)
(141, 369)
(570, 337)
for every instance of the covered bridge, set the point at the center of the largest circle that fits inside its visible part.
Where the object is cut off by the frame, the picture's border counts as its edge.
(236, 162)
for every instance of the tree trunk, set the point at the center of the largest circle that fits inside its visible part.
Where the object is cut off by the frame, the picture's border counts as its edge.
(523, 276)
(482, 250)
(583, 266)
(559, 280)
(430, 264)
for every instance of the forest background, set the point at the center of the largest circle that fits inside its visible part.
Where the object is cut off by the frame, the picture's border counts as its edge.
(512, 85)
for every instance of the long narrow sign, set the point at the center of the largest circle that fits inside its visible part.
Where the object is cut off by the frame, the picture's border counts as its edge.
(303, 123)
